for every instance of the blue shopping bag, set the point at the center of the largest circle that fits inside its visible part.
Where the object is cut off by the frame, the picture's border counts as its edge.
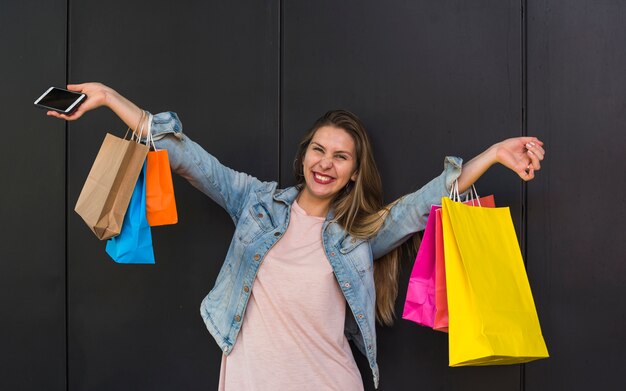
(134, 243)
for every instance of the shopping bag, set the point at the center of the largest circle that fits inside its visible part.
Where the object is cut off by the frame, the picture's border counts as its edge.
(419, 305)
(134, 243)
(106, 193)
(160, 201)
(492, 314)
(441, 299)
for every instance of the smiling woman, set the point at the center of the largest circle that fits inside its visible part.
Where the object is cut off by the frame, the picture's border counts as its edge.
(328, 166)
(335, 170)
(297, 281)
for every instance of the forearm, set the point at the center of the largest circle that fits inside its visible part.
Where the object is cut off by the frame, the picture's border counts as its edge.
(410, 213)
(126, 110)
(476, 167)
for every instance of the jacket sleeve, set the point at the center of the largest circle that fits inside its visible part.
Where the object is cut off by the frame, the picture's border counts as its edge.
(410, 213)
(228, 188)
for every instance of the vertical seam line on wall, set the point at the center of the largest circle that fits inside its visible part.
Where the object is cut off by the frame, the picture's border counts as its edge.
(67, 200)
(280, 90)
(524, 131)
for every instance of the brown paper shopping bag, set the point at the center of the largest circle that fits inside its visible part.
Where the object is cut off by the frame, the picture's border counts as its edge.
(106, 193)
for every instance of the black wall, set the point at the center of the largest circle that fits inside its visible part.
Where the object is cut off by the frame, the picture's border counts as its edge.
(577, 207)
(33, 275)
(247, 78)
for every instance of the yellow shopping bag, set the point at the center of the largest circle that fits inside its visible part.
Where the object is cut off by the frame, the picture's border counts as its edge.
(493, 320)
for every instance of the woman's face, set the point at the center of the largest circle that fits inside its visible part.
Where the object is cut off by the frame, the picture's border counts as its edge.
(329, 163)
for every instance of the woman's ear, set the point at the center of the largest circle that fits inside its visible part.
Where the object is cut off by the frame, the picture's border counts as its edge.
(354, 176)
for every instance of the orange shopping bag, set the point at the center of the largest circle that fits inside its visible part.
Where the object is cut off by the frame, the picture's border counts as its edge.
(160, 201)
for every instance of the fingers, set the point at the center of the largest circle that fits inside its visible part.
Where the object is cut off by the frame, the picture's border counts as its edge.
(534, 160)
(535, 153)
(528, 174)
(523, 155)
(57, 115)
(525, 169)
(74, 116)
(534, 140)
(536, 149)
(75, 87)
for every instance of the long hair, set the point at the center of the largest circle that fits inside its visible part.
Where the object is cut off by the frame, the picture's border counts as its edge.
(359, 208)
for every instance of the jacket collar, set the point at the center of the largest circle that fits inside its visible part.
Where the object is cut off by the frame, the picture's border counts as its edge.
(289, 195)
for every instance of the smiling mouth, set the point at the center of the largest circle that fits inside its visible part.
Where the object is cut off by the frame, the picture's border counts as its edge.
(323, 179)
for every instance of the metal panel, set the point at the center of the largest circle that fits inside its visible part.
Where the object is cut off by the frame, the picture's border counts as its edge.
(216, 64)
(576, 214)
(32, 200)
(428, 79)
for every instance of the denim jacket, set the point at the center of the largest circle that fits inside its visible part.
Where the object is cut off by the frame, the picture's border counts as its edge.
(261, 211)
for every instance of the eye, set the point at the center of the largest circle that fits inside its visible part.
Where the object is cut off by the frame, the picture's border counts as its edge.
(342, 157)
(318, 149)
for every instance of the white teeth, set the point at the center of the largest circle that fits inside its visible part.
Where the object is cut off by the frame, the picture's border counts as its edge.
(322, 177)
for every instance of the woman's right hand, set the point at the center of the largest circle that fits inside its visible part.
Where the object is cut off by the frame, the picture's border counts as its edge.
(100, 95)
(96, 96)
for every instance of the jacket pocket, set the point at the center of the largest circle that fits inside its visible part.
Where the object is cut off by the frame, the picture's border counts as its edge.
(358, 252)
(256, 222)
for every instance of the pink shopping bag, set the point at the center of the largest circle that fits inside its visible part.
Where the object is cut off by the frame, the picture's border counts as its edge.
(419, 305)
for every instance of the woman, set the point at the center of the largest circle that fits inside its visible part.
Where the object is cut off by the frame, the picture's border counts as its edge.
(299, 255)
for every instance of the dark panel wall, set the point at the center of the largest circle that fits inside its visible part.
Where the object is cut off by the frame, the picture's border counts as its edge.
(216, 64)
(428, 79)
(577, 219)
(32, 199)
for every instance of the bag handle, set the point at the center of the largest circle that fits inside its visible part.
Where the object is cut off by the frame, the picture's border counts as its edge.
(143, 123)
(134, 136)
(150, 140)
(454, 192)
(471, 195)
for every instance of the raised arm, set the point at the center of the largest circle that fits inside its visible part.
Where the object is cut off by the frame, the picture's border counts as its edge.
(100, 95)
(523, 155)
(409, 213)
(227, 187)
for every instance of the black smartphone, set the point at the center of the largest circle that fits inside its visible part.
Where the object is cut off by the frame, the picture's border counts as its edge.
(60, 100)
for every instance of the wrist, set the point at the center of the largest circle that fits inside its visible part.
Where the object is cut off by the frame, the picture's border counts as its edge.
(492, 154)
(110, 97)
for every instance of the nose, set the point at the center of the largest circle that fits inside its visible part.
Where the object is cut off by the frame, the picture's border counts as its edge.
(326, 163)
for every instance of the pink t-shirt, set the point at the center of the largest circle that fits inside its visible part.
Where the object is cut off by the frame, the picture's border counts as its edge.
(292, 334)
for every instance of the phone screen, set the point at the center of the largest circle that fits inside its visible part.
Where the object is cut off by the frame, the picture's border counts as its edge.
(59, 99)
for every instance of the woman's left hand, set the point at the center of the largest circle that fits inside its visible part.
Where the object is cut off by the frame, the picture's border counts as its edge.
(523, 155)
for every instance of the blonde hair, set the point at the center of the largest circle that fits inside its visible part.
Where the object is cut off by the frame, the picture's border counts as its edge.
(359, 208)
